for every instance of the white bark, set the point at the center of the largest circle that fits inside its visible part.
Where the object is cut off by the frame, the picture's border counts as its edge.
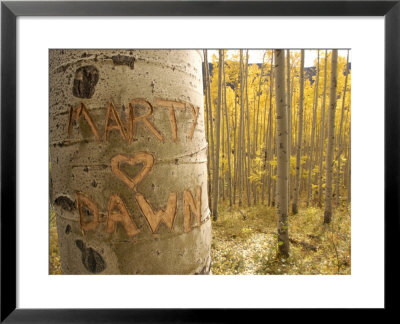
(331, 138)
(289, 110)
(340, 135)
(128, 156)
(282, 154)
(322, 132)
(314, 119)
(299, 138)
(218, 137)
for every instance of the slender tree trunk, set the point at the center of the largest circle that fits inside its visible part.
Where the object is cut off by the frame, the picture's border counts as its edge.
(208, 130)
(292, 135)
(314, 119)
(248, 133)
(322, 133)
(210, 122)
(349, 170)
(331, 139)
(289, 112)
(299, 138)
(253, 152)
(241, 131)
(282, 154)
(222, 174)
(235, 150)
(256, 124)
(218, 137)
(263, 142)
(128, 197)
(292, 131)
(273, 181)
(258, 104)
(228, 141)
(269, 140)
(339, 137)
(264, 125)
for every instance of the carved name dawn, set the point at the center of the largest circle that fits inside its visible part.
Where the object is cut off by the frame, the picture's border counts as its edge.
(117, 211)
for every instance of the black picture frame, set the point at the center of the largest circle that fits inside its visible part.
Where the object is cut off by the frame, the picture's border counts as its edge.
(10, 10)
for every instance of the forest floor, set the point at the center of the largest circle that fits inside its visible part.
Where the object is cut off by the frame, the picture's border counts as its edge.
(244, 242)
(54, 252)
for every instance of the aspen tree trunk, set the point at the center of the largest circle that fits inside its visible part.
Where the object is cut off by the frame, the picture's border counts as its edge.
(314, 119)
(346, 176)
(253, 151)
(241, 131)
(256, 124)
(306, 151)
(273, 195)
(218, 136)
(295, 129)
(208, 130)
(331, 138)
(263, 125)
(292, 133)
(322, 133)
(292, 90)
(316, 150)
(211, 124)
(282, 154)
(129, 158)
(340, 148)
(228, 141)
(274, 168)
(253, 143)
(289, 112)
(269, 139)
(269, 154)
(258, 104)
(248, 133)
(222, 175)
(263, 142)
(349, 169)
(299, 138)
(235, 150)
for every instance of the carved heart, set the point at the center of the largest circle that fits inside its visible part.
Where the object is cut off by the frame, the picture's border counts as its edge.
(142, 157)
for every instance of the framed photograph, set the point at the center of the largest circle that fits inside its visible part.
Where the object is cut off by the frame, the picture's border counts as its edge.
(144, 143)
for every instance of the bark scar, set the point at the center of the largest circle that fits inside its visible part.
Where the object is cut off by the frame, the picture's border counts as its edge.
(82, 199)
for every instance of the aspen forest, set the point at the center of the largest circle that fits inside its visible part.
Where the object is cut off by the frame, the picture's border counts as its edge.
(272, 129)
(279, 164)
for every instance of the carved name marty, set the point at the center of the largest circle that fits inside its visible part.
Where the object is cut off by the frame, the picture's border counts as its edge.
(117, 211)
(127, 129)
